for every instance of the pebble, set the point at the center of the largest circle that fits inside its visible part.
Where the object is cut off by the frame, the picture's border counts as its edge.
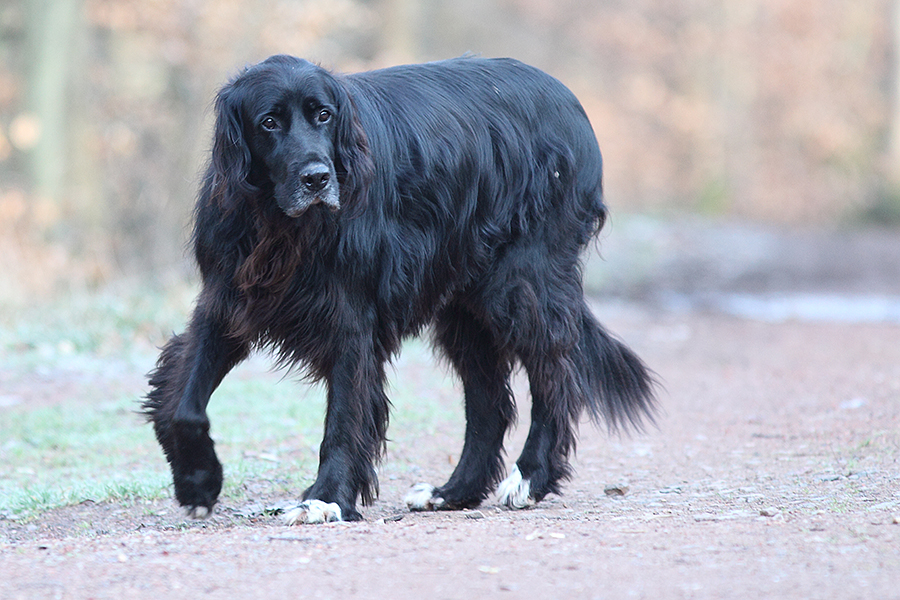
(618, 489)
(768, 512)
(393, 518)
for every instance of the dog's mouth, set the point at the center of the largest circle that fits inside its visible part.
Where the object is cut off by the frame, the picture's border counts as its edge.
(297, 209)
(296, 203)
(330, 201)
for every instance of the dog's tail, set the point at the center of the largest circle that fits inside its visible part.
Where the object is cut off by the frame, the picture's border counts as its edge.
(619, 387)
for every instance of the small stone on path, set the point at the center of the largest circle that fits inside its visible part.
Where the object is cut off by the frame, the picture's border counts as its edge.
(619, 489)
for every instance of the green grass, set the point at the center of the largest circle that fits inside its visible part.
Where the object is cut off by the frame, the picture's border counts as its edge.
(69, 453)
(266, 431)
(88, 442)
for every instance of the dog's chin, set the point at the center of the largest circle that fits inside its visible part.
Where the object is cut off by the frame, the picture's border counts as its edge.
(298, 204)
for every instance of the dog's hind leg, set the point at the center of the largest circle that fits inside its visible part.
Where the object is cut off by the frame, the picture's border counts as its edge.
(484, 371)
(543, 463)
(573, 365)
(596, 373)
(189, 369)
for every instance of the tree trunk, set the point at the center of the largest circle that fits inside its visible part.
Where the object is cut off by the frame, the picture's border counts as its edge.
(51, 31)
(398, 37)
(893, 168)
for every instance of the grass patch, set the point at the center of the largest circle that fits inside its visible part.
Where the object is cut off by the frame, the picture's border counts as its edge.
(74, 451)
(68, 453)
(71, 432)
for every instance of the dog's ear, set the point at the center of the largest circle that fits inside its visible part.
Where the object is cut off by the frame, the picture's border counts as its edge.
(230, 164)
(353, 159)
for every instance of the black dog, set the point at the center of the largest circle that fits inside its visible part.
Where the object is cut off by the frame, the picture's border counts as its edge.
(340, 214)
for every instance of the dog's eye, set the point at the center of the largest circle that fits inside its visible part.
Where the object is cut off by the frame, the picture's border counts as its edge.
(323, 116)
(269, 124)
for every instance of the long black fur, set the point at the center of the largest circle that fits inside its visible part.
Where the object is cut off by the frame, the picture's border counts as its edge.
(342, 213)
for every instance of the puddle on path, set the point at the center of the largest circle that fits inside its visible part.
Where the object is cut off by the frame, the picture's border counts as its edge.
(796, 307)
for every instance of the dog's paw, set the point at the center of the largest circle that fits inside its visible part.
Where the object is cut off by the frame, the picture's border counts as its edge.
(198, 513)
(421, 497)
(313, 511)
(515, 492)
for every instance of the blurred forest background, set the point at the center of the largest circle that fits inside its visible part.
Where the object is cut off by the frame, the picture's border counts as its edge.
(783, 111)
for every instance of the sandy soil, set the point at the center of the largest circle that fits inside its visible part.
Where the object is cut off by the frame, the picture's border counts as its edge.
(774, 473)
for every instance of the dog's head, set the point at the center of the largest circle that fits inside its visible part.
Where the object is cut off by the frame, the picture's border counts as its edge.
(289, 126)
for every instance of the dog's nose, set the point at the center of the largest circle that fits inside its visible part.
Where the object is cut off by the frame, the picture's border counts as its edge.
(315, 181)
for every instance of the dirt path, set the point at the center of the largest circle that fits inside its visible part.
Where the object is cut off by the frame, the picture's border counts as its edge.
(774, 473)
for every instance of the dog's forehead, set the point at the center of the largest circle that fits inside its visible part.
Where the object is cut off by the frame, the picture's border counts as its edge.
(285, 81)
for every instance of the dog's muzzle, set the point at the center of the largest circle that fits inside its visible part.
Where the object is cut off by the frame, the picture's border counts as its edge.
(315, 183)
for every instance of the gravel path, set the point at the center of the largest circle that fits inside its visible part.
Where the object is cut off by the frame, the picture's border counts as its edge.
(774, 473)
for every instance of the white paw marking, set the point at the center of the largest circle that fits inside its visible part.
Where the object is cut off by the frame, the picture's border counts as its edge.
(420, 497)
(313, 511)
(197, 512)
(514, 491)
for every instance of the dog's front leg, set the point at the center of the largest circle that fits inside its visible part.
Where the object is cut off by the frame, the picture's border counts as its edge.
(190, 367)
(355, 428)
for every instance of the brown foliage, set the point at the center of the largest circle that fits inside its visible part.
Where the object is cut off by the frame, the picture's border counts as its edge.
(770, 109)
